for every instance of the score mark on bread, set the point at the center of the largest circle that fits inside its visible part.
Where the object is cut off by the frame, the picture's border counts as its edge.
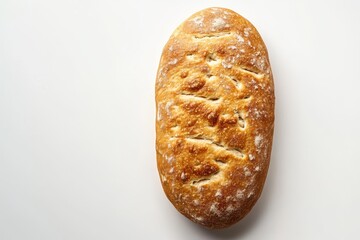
(215, 115)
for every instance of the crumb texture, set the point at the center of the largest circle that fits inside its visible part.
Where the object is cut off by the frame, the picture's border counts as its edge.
(215, 114)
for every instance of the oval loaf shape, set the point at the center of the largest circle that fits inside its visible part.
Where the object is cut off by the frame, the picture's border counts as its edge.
(215, 117)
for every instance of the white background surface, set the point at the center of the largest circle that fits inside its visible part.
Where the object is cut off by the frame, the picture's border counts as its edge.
(77, 155)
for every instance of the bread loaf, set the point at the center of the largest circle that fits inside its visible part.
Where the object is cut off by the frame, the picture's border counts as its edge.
(215, 117)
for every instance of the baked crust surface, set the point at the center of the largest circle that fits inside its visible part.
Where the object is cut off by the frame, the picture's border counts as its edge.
(215, 115)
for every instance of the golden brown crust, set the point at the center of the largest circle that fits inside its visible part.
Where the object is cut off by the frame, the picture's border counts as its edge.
(215, 114)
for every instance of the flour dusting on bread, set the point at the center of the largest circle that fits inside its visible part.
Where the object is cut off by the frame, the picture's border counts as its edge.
(215, 113)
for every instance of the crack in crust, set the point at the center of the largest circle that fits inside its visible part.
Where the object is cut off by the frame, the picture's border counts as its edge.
(236, 81)
(215, 177)
(241, 119)
(201, 181)
(208, 36)
(249, 71)
(199, 139)
(191, 96)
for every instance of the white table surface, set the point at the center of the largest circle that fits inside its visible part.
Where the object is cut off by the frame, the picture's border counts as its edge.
(77, 156)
